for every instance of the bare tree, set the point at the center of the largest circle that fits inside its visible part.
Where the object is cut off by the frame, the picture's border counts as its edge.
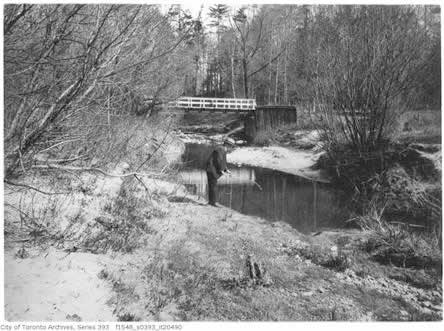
(367, 57)
(61, 60)
(249, 41)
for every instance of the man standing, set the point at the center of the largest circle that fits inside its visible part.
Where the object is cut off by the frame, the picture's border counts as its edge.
(216, 167)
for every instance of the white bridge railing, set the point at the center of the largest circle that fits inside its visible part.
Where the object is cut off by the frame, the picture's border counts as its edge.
(213, 104)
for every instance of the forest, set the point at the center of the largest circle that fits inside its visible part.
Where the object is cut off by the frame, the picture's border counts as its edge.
(68, 63)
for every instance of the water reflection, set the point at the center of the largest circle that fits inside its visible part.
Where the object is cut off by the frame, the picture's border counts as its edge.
(308, 206)
(198, 178)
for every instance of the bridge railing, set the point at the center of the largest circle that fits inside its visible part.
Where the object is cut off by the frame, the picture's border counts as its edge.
(213, 103)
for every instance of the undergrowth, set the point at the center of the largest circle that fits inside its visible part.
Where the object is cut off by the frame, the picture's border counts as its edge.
(338, 261)
(395, 244)
(396, 202)
(125, 226)
(420, 127)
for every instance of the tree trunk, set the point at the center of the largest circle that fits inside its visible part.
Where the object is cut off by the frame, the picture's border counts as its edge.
(277, 82)
(196, 74)
(244, 65)
(270, 69)
(233, 88)
(63, 101)
(285, 78)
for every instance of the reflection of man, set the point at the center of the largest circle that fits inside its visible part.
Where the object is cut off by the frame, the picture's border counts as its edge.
(216, 167)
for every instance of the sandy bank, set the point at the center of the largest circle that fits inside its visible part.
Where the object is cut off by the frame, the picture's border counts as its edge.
(294, 162)
(56, 286)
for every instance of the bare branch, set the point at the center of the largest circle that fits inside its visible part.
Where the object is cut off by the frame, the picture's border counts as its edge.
(33, 188)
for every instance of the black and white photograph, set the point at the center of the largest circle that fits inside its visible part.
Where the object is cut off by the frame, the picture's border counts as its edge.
(221, 162)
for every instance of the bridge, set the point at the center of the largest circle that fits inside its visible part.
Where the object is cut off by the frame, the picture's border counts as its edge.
(255, 118)
(214, 104)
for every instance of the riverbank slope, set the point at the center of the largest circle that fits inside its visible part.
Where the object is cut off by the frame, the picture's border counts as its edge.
(162, 254)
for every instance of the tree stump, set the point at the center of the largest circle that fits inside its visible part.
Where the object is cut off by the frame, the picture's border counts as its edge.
(256, 272)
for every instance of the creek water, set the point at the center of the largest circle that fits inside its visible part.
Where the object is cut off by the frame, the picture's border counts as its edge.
(273, 195)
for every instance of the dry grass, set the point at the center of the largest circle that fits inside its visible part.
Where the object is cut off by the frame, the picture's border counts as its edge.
(397, 200)
(338, 261)
(123, 230)
(395, 244)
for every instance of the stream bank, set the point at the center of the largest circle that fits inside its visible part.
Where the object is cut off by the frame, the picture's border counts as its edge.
(186, 260)
(154, 251)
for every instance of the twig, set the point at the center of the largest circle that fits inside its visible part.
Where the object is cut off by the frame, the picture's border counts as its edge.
(21, 240)
(64, 160)
(26, 216)
(33, 188)
(21, 159)
(146, 188)
(157, 147)
(55, 145)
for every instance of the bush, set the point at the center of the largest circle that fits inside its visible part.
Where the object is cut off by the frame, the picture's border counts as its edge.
(396, 176)
(395, 244)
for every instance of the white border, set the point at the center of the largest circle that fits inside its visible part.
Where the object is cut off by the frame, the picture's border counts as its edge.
(214, 326)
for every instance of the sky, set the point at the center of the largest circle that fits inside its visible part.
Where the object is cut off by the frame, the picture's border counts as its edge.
(195, 6)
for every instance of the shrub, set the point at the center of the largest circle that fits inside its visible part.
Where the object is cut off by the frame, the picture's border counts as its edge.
(395, 244)
(339, 262)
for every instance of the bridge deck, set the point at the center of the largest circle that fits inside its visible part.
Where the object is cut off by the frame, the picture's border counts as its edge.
(214, 104)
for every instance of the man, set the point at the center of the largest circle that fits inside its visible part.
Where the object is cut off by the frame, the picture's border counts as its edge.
(216, 167)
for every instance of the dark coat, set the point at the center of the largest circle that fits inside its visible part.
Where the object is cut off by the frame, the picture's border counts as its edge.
(217, 163)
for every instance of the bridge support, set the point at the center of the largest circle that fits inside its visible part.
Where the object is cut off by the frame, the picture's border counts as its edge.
(268, 117)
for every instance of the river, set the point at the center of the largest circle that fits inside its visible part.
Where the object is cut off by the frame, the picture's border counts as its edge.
(307, 205)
